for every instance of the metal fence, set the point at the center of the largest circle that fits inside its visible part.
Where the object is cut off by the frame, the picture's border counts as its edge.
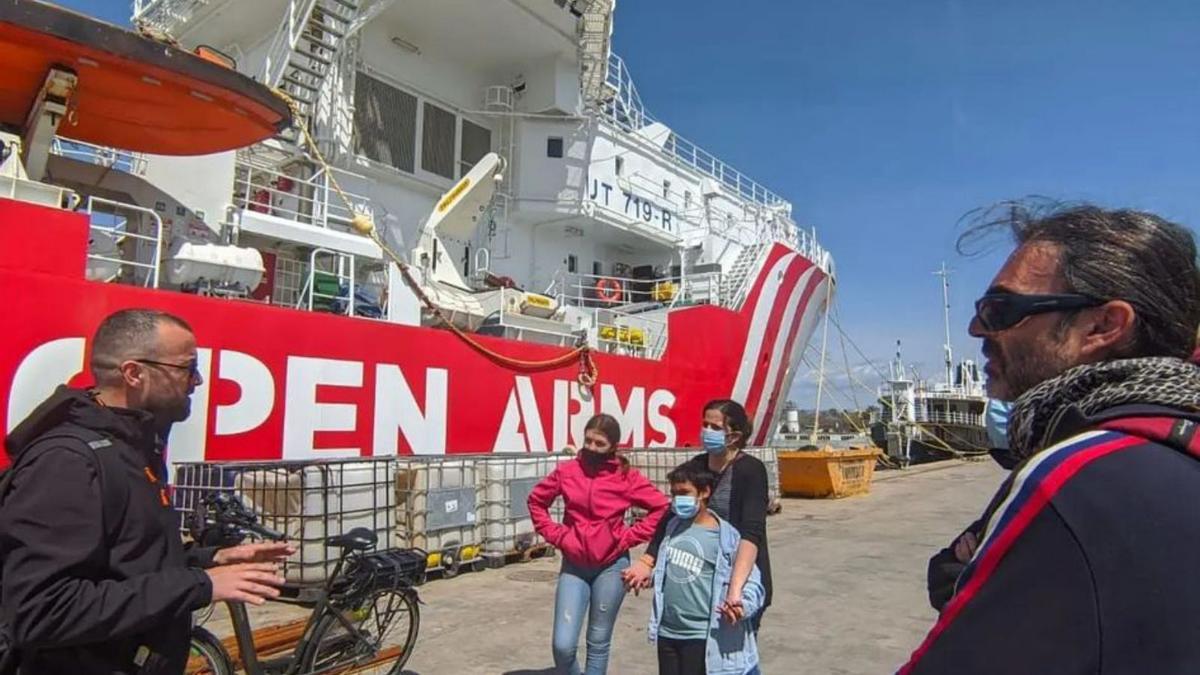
(305, 501)
(461, 509)
(656, 463)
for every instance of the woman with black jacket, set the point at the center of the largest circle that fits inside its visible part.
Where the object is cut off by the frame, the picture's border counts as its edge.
(740, 497)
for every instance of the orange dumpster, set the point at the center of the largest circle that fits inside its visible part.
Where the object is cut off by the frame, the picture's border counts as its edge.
(826, 473)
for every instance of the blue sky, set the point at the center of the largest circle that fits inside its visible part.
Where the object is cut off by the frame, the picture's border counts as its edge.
(884, 122)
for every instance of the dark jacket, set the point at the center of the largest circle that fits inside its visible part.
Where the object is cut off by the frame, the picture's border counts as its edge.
(748, 503)
(1088, 558)
(92, 572)
(945, 567)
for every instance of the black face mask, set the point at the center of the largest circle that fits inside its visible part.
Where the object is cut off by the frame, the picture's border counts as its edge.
(595, 459)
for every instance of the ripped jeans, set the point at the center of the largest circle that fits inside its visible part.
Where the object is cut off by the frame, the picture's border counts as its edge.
(598, 592)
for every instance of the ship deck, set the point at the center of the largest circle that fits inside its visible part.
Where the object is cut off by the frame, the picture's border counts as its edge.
(849, 588)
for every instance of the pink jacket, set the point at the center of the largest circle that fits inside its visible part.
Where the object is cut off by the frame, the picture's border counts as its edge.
(593, 531)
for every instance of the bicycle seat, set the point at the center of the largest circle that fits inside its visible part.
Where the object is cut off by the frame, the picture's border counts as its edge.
(358, 539)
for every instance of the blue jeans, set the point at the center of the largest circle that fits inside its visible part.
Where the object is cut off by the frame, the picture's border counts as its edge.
(599, 592)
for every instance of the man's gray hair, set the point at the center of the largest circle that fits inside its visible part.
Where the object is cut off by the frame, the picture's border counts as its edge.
(126, 335)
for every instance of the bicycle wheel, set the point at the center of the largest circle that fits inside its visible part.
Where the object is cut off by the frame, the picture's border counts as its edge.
(207, 656)
(388, 619)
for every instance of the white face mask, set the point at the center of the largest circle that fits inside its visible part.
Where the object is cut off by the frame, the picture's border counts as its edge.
(713, 439)
(996, 422)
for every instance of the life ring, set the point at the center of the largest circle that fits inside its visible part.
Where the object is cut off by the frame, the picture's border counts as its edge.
(608, 289)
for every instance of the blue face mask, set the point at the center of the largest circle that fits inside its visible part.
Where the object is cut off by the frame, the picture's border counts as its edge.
(684, 506)
(713, 440)
(996, 422)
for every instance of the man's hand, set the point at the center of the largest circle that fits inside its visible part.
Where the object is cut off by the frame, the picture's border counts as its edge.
(964, 547)
(275, 551)
(254, 583)
(637, 576)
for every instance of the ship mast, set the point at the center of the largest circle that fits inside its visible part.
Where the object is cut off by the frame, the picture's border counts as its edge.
(944, 273)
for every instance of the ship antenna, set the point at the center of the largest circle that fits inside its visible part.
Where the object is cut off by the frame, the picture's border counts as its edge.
(944, 273)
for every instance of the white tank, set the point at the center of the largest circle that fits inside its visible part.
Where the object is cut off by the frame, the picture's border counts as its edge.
(438, 507)
(791, 420)
(507, 483)
(310, 503)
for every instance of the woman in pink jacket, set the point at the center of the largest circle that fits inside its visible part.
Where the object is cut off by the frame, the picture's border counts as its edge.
(597, 487)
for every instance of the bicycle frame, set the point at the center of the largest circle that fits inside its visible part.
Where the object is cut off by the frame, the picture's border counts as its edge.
(244, 634)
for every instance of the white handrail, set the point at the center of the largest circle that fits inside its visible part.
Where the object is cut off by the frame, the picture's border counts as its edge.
(285, 39)
(629, 114)
(121, 160)
(315, 200)
(345, 271)
(583, 290)
(154, 266)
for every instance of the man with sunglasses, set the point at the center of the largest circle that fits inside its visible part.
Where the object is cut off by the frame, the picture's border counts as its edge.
(1086, 556)
(95, 576)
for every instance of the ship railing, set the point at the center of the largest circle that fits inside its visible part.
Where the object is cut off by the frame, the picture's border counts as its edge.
(167, 15)
(312, 201)
(128, 162)
(951, 417)
(123, 225)
(631, 295)
(626, 110)
(513, 328)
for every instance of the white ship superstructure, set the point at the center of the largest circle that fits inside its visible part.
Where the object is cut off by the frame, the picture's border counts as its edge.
(597, 204)
(503, 153)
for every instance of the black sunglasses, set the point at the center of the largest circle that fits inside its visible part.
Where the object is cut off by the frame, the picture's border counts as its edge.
(193, 368)
(999, 311)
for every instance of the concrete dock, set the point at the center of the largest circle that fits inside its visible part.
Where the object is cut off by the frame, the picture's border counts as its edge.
(849, 588)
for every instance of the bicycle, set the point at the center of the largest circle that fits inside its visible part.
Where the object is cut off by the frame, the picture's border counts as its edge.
(367, 594)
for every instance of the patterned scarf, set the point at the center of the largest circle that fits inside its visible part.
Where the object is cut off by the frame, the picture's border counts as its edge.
(1098, 386)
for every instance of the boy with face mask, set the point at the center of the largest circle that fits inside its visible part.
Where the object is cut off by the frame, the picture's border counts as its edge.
(691, 577)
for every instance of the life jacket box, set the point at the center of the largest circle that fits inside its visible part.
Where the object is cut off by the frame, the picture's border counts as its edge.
(438, 508)
(507, 483)
(535, 304)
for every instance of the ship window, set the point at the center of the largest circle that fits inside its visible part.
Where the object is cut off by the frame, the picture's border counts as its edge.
(554, 146)
(437, 141)
(572, 264)
(476, 142)
(385, 120)
(620, 164)
(597, 268)
(666, 189)
(687, 198)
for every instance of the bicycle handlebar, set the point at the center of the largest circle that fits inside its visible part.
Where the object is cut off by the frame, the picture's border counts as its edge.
(224, 516)
(264, 532)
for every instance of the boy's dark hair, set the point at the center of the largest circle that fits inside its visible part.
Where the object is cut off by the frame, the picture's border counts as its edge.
(690, 472)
